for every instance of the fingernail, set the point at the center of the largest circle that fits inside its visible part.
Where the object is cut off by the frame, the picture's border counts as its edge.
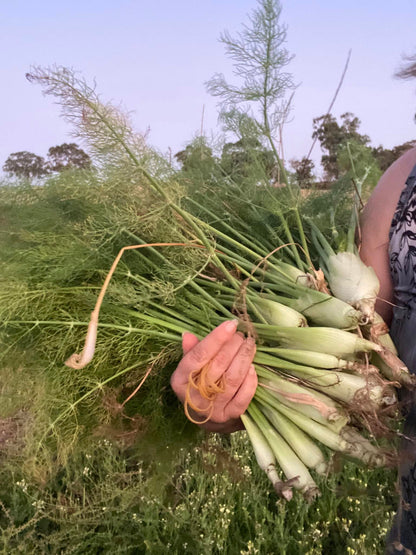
(252, 370)
(231, 325)
(183, 333)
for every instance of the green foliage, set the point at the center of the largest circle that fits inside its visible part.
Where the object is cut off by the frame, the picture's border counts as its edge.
(335, 211)
(25, 165)
(210, 498)
(94, 465)
(101, 126)
(259, 58)
(332, 137)
(386, 156)
(57, 244)
(67, 156)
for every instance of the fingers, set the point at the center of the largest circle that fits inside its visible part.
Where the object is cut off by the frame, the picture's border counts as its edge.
(223, 360)
(241, 400)
(229, 355)
(217, 367)
(240, 365)
(240, 384)
(202, 353)
(189, 340)
(205, 350)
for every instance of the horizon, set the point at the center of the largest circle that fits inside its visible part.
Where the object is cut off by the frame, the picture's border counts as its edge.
(155, 59)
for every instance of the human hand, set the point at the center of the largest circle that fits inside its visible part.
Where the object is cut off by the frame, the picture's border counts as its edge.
(230, 356)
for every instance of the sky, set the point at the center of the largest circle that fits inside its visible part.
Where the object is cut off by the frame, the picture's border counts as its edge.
(154, 57)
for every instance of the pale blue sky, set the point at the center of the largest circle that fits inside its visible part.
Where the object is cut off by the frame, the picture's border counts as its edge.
(154, 58)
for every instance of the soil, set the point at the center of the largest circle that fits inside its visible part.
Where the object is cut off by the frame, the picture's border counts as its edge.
(11, 433)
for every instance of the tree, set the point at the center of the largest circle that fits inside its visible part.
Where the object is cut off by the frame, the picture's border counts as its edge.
(332, 136)
(62, 157)
(303, 171)
(197, 155)
(26, 165)
(67, 156)
(200, 169)
(385, 157)
(259, 58)
(246, 157)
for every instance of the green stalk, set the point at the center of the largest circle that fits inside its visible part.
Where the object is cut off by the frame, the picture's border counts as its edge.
(323, 434)
(308, 358)
(308, 452)
(230, 240)
(291, 240)
(302, 235)
(293, 468)
(265, 457)
(211, 299)
(230, 229)
(313, 404)
(72, 323)
(176, 315)
(322, 246)
(165, 323)
(358, 184)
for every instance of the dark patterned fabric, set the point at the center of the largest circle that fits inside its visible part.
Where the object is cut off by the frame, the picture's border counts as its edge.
(402, 255)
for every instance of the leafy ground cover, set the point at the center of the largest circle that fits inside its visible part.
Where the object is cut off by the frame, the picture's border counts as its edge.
(206, 498)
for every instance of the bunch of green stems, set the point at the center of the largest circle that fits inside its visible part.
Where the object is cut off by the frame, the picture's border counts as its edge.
(317, 390)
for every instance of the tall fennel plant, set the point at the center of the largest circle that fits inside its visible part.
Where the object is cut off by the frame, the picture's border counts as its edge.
(259, 58)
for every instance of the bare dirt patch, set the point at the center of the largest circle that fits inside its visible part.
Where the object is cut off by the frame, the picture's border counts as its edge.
(11, 433)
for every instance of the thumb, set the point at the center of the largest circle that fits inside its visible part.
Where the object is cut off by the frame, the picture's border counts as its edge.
(189, 340)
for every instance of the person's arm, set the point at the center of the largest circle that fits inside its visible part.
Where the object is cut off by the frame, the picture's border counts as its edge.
(229, 355)
(375, 225)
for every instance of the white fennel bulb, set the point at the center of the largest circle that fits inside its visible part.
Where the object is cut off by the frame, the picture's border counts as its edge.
(353, 282)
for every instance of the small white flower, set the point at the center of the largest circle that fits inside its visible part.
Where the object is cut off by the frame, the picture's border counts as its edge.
(23, 485)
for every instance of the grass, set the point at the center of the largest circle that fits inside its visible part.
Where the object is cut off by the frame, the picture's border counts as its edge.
(207, 498)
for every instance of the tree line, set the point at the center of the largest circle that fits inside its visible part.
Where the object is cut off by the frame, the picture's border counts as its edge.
(333, 136)
(28, 165)
(253, 107)
(235, 158)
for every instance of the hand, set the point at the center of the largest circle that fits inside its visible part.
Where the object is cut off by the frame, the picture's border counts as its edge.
(230, 355)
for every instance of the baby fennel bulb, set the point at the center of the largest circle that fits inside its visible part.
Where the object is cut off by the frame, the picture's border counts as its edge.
(353, 282)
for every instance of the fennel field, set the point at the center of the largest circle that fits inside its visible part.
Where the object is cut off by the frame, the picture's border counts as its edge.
(141, 480)
(208, 497)
(87, 464)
